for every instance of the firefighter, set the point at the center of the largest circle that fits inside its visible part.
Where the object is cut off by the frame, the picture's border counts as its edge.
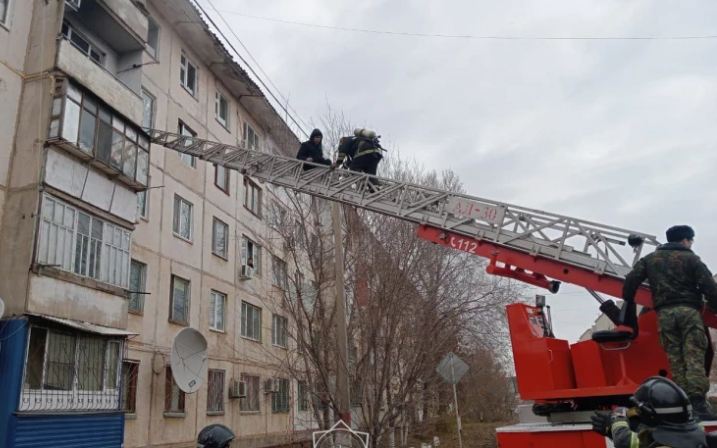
(312, 150)
(362, 152)
(679, 280)
(661, 416)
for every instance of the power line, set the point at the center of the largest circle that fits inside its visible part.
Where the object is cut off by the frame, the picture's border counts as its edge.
(464, 36)
(246, 63)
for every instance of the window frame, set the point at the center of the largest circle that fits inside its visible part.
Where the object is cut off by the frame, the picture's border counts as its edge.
(185, 64)
(245, 324)
(143, 206)
(256, 255)
(302, 396)
(219, 97)
(169, 388)
(280, 273)
(138, 294)
(279, 339)
(250, 138)
(224, 255)
(213, 312)
(187, 300)
(154, 54)
(218, 409)
(176, 219)
(186, 131)
(253, 189)
(280, 400)
(5, 19)
(227, 174)
(73, 32)
(146, 94)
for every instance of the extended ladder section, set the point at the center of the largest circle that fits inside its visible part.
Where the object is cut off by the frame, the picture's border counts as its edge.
(596, 249)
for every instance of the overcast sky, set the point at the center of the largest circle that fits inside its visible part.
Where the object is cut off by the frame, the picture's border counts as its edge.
(617, 131)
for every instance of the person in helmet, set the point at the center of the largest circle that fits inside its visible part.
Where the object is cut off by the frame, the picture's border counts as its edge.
(661, 416)
(361, 152)
(312, 150)
(679, 280)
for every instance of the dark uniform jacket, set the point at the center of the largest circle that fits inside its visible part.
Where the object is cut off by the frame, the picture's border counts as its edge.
(309, 150)
(677, 277)
(677, 436)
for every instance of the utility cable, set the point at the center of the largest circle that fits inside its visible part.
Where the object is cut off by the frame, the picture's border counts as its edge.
(465, 36)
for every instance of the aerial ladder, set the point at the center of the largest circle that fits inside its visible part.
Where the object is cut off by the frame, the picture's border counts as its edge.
(566, 382)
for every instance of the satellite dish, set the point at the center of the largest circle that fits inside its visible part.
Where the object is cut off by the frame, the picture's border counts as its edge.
(2, 308)
(189, 360)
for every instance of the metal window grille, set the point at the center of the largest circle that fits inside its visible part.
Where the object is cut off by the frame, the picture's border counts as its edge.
(179, 303)
(74, 241)
(250, 321)
(220, 233)
(130, 375)
(215, 391)
(251, 402)
(173, 395)
(67, 371)
(279, 333)
(280, 400)
(217, 302)
(137, 285)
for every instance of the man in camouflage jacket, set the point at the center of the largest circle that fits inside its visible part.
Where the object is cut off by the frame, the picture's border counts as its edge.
(680, 282)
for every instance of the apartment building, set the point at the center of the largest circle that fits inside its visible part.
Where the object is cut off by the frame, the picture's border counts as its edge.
(112, 245)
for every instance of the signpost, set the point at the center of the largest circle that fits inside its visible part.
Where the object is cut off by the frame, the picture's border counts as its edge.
(452, 368)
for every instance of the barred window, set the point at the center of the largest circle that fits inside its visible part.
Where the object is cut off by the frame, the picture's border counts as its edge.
(279, 331)
(250, 321)
(77, 242)
(173, 395)
(215, 391)
(70, 371)
(130, 373)
(250, 403)
(280, 400)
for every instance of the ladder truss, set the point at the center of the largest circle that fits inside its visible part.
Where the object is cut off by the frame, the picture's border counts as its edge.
(597, 248)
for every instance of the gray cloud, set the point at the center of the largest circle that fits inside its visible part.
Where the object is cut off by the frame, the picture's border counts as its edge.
(621, 132)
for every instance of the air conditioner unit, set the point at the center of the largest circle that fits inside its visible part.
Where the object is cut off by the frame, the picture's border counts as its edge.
(271, 386)
(74, 4)
(237, 389)
(247, 272)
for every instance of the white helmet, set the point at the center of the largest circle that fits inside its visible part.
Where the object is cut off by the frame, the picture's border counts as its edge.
(365, 133)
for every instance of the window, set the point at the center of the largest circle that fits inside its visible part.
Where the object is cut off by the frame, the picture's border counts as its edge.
(188, 75)
(82, 120)
(217, 303)
(220, 237)
(279, 330)
(70, 371)
(280, 400)
(152, 38)
(221, 109)
(137, 280)
(221, 178)
(4, 7)
(148, 102)
(250, 321)
(252, 197)
(186, 131)
(250, 403)
(182, 224)
(130, 373)
(215, 391)
(74, 241)
(143, 204)
(82, 43)
(173, 395)
(250, 139)
(279, 275)
(251, 255)
(179, 301)
(302, 393)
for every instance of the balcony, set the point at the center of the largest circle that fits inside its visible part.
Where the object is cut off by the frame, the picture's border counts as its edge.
(84, 125)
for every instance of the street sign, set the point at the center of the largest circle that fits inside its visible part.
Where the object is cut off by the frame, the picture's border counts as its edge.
(452, 368)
